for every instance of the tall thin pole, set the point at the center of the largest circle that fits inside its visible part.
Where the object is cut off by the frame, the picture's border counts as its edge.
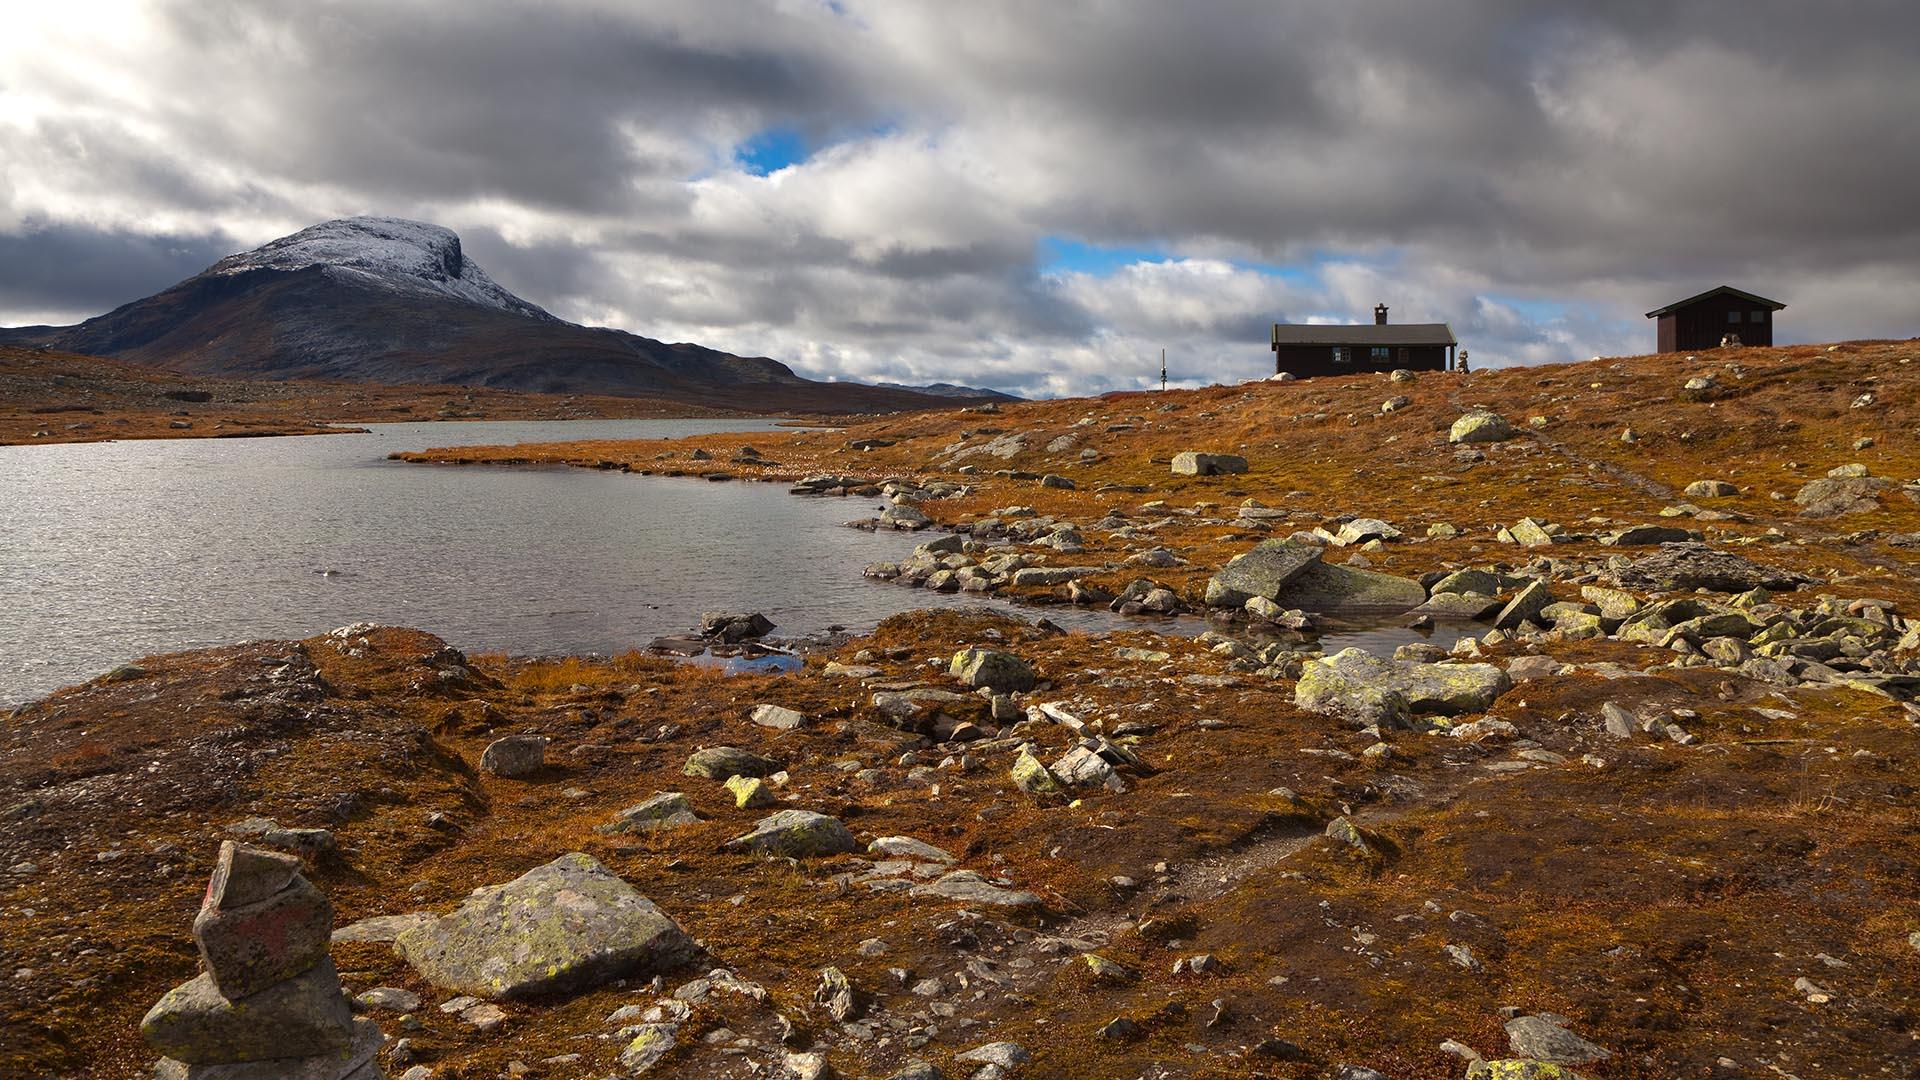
(1163, 370)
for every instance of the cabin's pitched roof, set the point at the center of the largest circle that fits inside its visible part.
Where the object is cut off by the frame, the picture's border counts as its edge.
(1716, 291)
(1363, 335)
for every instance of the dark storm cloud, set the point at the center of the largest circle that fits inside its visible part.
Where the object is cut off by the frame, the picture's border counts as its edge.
(1454, 159)
(66, 268)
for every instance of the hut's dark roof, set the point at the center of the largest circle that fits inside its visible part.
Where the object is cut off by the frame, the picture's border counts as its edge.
(1363, 334)
(1716, 291)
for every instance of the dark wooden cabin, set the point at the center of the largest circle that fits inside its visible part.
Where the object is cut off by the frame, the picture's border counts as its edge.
(1307, 350)
(1701, 322)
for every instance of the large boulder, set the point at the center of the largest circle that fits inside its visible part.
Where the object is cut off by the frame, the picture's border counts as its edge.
(798, 833)
(667, 810)
(1833, 496)
(1331, 587)
(1000, 671)
(567, 926)
(1194, 463)
(1480, 427)
(298, 1017)
(1269, 567)
(1359, 686)
(734, 626)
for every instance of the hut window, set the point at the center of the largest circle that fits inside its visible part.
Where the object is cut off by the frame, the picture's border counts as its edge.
(1380, 352)
(1758, 316)
(1733, 316)
(1339, 354)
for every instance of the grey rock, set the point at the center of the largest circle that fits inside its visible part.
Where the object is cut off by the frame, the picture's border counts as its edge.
(355, 1062)
(1326, 587)
(725, 762)
(1619, 722)
(1264, 571)
(798, 833)
(1543, 1040)
(250, 947)
(668, 809)
(650, 1043)
(1194, 463)
(382, 928)
(1468, 581)
(1361, 687)
(1684, 567)
(906, 847)
(1526, 606)
(298, 1017)
(1000, 671)
(777, 717)
(565, 926)
(969, 887)
(837, 995)
(388, 999)
(1647, 535)
(1007, 1055)
(515, 756)
(732, 627)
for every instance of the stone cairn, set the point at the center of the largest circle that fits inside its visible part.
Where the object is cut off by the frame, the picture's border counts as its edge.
(269, 1005)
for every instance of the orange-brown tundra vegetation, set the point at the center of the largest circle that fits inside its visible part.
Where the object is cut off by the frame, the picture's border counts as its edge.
(1727, 891)
(48, 396)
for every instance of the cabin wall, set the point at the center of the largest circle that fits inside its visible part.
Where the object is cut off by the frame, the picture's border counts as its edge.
(1701, 325)
(1310, 360)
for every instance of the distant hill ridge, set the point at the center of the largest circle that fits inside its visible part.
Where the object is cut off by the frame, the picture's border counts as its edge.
(382, 299)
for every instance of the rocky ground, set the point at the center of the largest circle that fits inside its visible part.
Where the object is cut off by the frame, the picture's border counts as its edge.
(1654, 818)
(55, 397)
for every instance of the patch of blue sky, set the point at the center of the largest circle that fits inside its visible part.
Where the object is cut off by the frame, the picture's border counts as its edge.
(771, 150)
(1067, 255)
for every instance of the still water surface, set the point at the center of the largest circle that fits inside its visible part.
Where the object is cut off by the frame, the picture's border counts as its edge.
(112, 551)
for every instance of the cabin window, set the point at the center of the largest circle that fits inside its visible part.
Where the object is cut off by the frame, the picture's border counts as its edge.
(1733, 316)
(1759, 316)
(1339, 354)
(1380, 352)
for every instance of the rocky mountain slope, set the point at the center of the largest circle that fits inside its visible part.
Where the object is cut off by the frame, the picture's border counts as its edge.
(391, 301)
(1650, 817)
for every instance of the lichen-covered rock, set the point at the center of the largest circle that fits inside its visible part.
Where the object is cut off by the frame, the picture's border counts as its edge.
(1519, 1069)
(566, 926)
(1480, 427)
(663, 811)
(1327, 587)
(907, 847)
(1525, 606)
(1263, 571)
(996, 669)
(1031, 775)
(1468, 581)
(1648, 535)
(650, 1043)
(298, 1017)
(750, 792)
(726, 762)
(798, 833)
(1834, 496)
(1362, 687)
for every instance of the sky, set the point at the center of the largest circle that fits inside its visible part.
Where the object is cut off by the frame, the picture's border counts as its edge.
(1036, 197)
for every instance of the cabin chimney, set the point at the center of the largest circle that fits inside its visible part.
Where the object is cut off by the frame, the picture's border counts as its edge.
(1379, 314)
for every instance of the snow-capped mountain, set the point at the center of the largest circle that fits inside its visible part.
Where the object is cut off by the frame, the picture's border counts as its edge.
(385, 300)
(394, 252)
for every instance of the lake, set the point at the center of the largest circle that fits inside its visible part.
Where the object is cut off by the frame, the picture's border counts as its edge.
(113, 551)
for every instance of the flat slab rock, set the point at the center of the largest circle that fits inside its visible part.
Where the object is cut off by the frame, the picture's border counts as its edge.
(301, 1016)
(355, 1062)
(566, 926)
(1684, 567)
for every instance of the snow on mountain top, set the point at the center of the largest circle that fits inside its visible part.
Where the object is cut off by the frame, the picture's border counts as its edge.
(393, 251)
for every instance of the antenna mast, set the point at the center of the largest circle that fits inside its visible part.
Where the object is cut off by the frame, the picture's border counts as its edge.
(1163, 370)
